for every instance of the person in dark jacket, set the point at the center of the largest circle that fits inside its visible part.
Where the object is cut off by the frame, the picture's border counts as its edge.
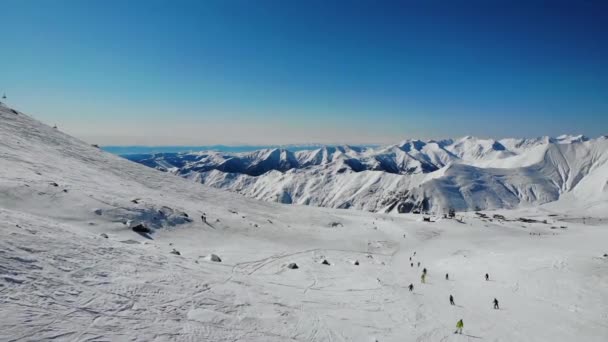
(452, 300)
(496, 304)
(411, 287)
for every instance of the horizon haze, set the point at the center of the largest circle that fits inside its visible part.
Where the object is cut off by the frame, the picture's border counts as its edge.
(274, 72)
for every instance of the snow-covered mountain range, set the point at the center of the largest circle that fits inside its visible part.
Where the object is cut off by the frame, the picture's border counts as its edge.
(465, 174)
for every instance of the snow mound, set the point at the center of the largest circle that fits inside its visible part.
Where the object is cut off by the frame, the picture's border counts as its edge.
(213, 258)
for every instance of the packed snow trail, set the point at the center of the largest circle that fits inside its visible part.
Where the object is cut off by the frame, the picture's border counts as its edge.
(60, 279)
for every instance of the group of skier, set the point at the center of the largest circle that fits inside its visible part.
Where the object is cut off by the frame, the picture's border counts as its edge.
(460, 323)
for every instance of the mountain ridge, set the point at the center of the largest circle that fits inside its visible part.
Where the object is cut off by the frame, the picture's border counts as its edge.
(467, 173)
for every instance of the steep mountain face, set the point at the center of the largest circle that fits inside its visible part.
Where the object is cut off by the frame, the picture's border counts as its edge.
(464, 174)
(253, 163)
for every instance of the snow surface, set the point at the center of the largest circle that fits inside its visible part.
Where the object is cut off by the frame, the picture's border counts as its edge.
(464, 174)
(60, 279)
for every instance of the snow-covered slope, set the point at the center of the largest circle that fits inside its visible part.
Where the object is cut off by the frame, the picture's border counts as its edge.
(72, 269)
(464, 174)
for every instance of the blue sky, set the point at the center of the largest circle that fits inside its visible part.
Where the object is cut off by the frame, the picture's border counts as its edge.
(283, 72)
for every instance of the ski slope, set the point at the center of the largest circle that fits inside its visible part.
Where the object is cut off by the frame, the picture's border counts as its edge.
(61, 280)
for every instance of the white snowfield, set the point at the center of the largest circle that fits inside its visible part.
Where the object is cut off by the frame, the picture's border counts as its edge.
(73, 269)
(463, 174)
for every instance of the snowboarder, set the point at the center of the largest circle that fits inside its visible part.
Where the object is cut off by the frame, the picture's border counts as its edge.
(487, 277)
(447, 277)
(411, 287)
(459, 326)
(496, 304)
(452, 300)
(423, 278)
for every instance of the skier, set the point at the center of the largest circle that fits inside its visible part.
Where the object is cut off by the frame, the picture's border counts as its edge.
(423, 278)
(452, 300)
(204, 218)
(447, 277)
(459, 326)
(411, 287)
(418, 263)
(412, 264)
(424, 270)
(487, 277)
(410, 258)
(496, 304)
(414, 253)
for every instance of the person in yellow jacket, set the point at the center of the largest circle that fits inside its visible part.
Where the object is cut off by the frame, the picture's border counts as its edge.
(459, 326)
(423, 278)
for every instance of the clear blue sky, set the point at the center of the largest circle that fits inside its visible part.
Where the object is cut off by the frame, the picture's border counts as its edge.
(274, 72)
